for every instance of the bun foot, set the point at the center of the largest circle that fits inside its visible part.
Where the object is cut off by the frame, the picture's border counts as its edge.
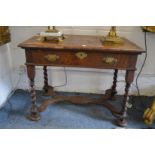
(33, 116)
(121, 123)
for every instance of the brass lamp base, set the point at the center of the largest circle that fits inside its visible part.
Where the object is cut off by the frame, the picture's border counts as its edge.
(112, 37)
(112, 40)
(51, 39)
(52, 35)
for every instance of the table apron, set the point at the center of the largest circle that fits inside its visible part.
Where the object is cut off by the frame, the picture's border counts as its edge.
(81, 59)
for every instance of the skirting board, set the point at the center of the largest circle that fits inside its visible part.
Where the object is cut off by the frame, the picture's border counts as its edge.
(86, 81)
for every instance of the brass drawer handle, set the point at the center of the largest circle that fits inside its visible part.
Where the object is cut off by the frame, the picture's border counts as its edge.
(110, 60)
(52, 57)
(81, 55)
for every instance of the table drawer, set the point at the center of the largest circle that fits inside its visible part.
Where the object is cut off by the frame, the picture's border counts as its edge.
(82, 59)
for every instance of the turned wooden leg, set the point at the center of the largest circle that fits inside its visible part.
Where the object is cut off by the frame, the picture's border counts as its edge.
(129, 79)
(48, 90)
(110, 93)
(45, 79)
(34, 114)
(113, 88)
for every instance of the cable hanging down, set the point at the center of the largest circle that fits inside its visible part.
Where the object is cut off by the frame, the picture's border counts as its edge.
(141, 69)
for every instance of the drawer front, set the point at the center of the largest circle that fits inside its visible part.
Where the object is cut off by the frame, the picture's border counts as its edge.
(82, 59)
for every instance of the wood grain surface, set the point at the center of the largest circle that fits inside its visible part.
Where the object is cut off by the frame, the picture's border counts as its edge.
(81, 42)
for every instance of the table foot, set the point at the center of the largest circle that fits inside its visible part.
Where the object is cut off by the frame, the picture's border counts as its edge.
(121, 123)
(33, 116)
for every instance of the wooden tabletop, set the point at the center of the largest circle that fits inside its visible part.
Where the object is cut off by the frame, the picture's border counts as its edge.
(82, 42)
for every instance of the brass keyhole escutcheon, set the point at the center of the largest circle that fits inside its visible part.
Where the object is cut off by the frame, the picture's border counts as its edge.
(81, 55)
(110, 60)
(52, 57)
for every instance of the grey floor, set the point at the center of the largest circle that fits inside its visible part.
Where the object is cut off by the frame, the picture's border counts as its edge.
(64, 115)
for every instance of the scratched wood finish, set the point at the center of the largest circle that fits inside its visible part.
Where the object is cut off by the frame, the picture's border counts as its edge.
(126, 56)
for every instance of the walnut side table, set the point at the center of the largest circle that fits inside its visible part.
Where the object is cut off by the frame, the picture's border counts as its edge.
(81, 51)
